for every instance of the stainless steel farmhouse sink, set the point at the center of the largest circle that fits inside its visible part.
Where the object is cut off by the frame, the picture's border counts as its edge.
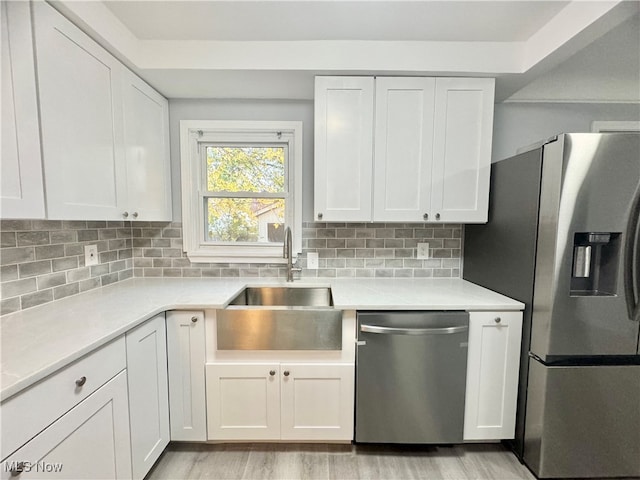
(280, 318)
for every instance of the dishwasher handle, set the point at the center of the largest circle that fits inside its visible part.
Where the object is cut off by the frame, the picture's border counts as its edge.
(412, 331)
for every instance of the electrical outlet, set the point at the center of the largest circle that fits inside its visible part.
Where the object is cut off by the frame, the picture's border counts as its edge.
(312, 260)
(423, 250)
(90, 255)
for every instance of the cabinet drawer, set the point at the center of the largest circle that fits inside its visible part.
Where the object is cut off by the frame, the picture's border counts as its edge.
(26, 414)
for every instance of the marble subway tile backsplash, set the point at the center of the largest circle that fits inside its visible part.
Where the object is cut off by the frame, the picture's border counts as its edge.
(43, 260)
(344, 250)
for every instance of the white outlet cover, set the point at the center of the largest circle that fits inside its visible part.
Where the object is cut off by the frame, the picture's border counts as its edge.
(312, 260)
(91, 255)
(423, 250)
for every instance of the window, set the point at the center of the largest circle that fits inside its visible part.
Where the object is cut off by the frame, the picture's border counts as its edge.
(240, 189)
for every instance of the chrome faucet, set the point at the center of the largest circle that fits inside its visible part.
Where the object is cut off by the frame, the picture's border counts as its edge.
(288, 254)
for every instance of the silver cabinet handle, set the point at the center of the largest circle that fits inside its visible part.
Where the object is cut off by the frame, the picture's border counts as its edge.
(437, 216)
(412, 331)
(81, 381)
(135, 214)
(125, 214)
(319, 216)
(426, 216)
(272, 372)
(497, 319)
(194, 319)
(286, 373)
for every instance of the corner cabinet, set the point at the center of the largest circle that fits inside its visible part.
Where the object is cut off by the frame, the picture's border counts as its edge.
(280, 401)
(493, 363)
(21, 190)
(426, 157)
(104, 131)
(148, 393)
(186, 359)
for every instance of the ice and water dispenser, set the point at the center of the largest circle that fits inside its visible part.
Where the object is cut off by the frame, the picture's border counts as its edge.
(595, 263)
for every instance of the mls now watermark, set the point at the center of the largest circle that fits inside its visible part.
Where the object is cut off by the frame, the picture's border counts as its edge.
(16, 468)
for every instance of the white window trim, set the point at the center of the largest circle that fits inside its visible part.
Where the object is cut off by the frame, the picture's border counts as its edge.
(195, 132)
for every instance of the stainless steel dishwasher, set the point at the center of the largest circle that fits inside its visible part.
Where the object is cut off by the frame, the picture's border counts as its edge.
(411, 376)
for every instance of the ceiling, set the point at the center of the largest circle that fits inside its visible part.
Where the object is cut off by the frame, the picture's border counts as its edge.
(579, 50)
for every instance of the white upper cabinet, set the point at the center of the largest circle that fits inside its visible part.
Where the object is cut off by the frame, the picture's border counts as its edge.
(81, 121)
(146, 136)
(21, 189)
(104, 131)
(403, 148)
(343, 148)
(430, 147)
(462, 149)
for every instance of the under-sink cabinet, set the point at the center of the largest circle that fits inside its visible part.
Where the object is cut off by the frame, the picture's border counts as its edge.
(73, 424)
(148, 393)
(402, 149)
(186, 360)
(280, 401)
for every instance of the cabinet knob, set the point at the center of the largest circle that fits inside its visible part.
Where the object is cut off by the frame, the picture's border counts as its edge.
(437, 216)
(426, 216)
(320, 216)
(272, 372)
(194, 319)
(286, 373)
(135, 214)
(497, 319)
(125, 214)
(81, 381)
(17, 469)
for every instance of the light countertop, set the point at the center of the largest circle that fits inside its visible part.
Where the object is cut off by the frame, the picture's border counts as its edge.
(38, 341)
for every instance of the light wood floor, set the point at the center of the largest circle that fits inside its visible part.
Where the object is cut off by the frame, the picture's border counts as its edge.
(339, 462)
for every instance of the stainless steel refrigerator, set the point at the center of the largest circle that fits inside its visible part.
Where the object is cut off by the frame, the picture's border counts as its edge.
(563, 238)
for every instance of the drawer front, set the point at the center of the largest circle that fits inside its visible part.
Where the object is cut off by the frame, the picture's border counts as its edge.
(28, 413)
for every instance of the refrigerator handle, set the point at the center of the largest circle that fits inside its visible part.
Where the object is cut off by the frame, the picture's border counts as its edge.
(631, 276)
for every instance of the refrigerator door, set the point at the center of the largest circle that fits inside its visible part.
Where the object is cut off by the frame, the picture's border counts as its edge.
(583, 421)
(586, 199)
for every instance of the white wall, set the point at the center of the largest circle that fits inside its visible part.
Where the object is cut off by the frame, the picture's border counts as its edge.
(517, 125)
(223, 109)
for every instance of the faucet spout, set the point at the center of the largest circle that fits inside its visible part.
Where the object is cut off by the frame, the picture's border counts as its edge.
(288, 254)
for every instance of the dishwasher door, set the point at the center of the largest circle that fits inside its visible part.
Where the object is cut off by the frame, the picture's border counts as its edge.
(411, 376)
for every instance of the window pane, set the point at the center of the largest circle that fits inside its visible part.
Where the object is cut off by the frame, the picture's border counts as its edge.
(245, 169)
(245, 220)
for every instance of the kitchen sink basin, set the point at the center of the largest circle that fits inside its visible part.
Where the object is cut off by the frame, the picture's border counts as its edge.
(284, 296)
(280, 318)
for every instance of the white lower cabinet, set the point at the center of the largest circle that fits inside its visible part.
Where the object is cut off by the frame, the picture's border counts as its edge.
(280, 401)
(493, 363)
(186, 359)
(148, 393)
(89, 441)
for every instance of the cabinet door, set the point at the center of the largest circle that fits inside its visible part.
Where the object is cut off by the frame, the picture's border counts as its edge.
(21, 188)
(317, 401)
(243, 402)
(186, 358)
(492, 375)
(146, 136)
(343, 148)
(462, 149)
(403, 149)
(81, 121)
(148, 393)
(89, 441)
